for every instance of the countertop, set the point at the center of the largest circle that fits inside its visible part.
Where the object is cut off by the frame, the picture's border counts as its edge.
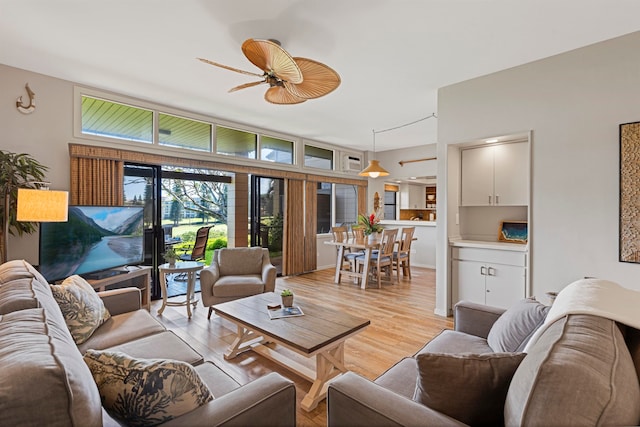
(408, 223)
(461, 243)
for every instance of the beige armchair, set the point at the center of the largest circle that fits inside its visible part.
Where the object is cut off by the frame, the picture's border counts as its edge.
(236, 273)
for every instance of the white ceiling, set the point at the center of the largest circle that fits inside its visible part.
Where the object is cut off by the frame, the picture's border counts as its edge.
(392, 55)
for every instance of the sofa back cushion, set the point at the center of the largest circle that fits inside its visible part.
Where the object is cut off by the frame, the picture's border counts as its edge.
(239, 261)
(579, 372)
(20, 285)
(43, 379)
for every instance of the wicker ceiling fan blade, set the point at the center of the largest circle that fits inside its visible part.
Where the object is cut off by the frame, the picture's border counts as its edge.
(279, 95)
(271, 58)
(319, 79)
(226, 67)
(246, 85)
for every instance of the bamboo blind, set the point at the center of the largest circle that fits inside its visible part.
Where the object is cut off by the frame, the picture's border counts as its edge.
(97, 182)
(293, 239)
(362, 201)
(310, 226)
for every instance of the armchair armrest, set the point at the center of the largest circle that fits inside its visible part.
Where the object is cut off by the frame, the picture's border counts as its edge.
(268, 401)
(208, 277)
(122, 300)
(475, 319)
(355, 401)
(268, 275)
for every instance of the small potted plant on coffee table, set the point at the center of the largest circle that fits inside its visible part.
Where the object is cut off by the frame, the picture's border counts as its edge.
(287, 298)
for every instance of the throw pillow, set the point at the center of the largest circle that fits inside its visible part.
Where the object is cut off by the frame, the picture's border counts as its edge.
(82, 308)
(139, 392)
(513, 329)
(471, 388)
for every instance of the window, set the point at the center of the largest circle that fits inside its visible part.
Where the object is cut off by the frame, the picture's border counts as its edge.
(276, 150)
(390, 202)
(319, 158)
(114, 120)
(232, 142)
(176, 131)
(346, 201)
(323, 210)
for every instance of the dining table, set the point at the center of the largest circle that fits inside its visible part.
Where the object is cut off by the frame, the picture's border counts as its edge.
(367, 245)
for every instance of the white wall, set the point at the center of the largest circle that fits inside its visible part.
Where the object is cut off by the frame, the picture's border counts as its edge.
(43, 134)
(574, 104)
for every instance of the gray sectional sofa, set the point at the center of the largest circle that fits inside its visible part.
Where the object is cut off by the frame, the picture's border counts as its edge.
(45, 381)
(580, 371)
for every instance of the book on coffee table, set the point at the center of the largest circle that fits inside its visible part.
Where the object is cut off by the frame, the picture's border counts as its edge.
(285, 312)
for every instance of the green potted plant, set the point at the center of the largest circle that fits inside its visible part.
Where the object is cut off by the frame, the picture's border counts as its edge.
(287, 298)
(171, 256)
(16, 171)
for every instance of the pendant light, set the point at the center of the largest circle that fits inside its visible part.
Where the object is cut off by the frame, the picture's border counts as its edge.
(374, 170)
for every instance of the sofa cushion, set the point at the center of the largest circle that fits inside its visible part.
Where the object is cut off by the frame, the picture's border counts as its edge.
(238, 261)
(470, 388)
(454, 342)
(231, 286)
(401, 378)
(42, 375)
(579, 372)
(22, 287)
(121, 329)
(142, 392)
(17, 295)
(165, 345)
(513, 329)
(81, 307)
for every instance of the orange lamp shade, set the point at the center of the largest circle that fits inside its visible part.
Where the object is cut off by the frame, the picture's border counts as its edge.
(42, 205)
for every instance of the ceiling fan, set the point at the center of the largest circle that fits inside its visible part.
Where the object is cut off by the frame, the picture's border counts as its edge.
(292, 80)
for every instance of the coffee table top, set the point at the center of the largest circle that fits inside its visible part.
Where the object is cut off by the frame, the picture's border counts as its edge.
(319, 327)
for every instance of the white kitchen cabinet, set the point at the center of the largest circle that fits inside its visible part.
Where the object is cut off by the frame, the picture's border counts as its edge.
(489, 276)
(413, 197)
(495, 175)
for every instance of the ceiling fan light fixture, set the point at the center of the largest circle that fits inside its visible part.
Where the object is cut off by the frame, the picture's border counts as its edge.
(291, 80)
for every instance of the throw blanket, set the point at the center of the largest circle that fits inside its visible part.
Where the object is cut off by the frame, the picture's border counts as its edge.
(596, 297)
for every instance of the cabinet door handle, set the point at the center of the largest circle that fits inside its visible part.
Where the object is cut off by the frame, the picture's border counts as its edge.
(497, 199)
(491, 271)
(483, 270)
(489, 198)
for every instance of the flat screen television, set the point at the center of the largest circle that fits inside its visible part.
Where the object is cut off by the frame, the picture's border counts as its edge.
(93, 241)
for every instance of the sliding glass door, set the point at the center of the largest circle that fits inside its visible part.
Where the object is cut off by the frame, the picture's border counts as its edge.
(267, 216)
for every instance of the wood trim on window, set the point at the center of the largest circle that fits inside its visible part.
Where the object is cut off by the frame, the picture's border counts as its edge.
(96, 152)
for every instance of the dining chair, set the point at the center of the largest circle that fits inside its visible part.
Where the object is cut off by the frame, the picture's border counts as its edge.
(383, 259)
(357, 232)
(340, 234)
(402, 257)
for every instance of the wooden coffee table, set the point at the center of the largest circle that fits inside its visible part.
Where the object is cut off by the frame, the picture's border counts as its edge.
(321, 332)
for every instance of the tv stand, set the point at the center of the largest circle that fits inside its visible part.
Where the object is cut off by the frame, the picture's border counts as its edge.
(138, 276)
(99, 275)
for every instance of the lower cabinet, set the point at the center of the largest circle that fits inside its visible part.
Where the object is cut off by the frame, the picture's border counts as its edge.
(489, 276)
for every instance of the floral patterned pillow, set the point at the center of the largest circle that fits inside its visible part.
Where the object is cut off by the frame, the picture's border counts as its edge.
(82, 308)
(145, 392)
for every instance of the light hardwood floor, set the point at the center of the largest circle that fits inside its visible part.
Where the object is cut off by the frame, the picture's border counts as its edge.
(402, 321)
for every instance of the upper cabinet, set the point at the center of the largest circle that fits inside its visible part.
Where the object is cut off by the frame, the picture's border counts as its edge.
(412, 196)
(495, 175)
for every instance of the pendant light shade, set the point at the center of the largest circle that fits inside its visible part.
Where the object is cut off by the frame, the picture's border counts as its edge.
(374, 170)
